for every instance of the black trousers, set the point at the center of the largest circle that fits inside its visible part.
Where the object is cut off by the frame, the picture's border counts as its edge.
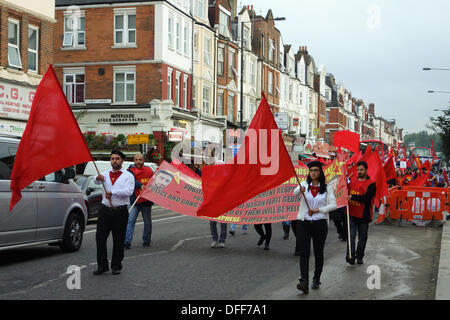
(268, 235)
(340, 221)
(317, 231)
(114, 221)
(362, 228)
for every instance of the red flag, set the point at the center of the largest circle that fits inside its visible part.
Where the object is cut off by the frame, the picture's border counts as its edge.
(184, 168)
(389, 169)
(347, 139)
(375, 171)
(227, 186)
(446, 178)
(432, 149)
(51, 141)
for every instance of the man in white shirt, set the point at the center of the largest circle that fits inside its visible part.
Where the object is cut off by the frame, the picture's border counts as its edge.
(113, 213)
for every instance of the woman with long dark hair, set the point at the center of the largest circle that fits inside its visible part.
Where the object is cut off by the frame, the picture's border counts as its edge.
(312, 222)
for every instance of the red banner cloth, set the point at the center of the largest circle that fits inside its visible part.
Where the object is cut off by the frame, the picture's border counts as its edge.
(389, 169)
(375, 171)
(51, 141)
(347, 139)
(227, 186)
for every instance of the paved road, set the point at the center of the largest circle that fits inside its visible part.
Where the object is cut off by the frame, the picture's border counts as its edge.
(181, 265)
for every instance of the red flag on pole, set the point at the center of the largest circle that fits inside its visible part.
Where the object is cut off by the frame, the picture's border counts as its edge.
(51, 141)
(446, 177)
(347, 139)
(375, 171)
(432, 149)
(389, 169)
(228, 185)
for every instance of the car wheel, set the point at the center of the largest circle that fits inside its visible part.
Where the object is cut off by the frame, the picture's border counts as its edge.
(73, 233)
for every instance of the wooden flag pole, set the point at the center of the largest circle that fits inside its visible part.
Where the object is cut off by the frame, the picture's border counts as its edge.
(103, 183)
(298, 180)
(132, 206)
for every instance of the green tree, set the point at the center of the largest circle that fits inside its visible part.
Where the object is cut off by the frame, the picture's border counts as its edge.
(441, 125)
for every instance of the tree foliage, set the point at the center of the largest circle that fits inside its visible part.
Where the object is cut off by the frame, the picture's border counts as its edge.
(441, 125)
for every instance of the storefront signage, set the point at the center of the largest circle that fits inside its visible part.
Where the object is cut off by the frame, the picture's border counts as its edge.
(175, 136)
(281, 118)
(122, 118)
(15, 101)
(138, 139)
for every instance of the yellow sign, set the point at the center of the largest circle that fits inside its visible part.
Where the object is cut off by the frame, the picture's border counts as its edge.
(138, 139)
(316, 131)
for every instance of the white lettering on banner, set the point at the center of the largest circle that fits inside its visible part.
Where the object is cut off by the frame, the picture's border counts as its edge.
(15, 101)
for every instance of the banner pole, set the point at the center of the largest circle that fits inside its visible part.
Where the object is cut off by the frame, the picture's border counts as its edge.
(103, 183)
(131, 208)
(348, 233)
(307, 204)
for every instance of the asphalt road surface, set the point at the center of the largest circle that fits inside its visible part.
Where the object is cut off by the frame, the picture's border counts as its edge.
(181, 265)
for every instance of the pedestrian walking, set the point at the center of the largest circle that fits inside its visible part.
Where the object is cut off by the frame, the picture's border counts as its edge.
(362, 190)
(340, 221)
(233, 229)
(312, 222)
(142, 175)
(113, 213)
(264, 237)
(286, 227)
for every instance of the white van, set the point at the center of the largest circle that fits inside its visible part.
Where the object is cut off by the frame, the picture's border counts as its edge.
(106, 165)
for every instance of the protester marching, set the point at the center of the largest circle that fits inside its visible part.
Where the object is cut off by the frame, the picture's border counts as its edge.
(260, 186)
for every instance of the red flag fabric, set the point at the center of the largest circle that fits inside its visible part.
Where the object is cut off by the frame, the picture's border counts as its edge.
(228, 185)
(389, 169)
(184, 168)
(347, 139)
(432, 149)
(375, 171)
(51, 141)
(446, 177)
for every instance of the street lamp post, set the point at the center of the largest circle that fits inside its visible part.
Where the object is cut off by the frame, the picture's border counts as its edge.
(241, 112)
(430, 69)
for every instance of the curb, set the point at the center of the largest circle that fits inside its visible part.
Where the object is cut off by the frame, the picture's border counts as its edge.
(443, 278)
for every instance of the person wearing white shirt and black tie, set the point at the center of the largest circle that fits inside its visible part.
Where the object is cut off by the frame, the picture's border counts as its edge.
(312, 222)
(119, 184)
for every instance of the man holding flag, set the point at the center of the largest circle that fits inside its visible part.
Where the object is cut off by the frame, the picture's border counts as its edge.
(362, 190)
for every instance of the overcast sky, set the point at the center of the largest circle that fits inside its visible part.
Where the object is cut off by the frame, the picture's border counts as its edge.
(376, 49)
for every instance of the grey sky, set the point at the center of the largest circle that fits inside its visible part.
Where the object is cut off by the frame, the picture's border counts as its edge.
(378, 60)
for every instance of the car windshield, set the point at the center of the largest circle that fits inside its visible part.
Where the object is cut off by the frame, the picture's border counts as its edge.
(81, 181)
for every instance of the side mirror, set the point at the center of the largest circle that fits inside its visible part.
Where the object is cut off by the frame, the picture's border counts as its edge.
(89, 190)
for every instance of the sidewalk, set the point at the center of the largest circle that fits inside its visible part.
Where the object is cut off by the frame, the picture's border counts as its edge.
(443, 279)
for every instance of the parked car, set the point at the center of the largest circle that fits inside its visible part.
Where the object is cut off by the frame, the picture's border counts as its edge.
(92, 193)
(90, 170)
(52, 209)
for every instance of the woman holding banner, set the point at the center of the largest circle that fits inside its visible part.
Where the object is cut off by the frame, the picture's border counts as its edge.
(316, 202)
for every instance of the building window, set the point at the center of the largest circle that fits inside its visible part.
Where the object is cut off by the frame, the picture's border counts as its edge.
(169, 84)
(170, 30)
(221, 61)
(230, 63)
(270, 75)
(246, 37)
(33, 48)
(328, 116)
(263, 46)
(199, 8)
(74, 86)
(186, 39)
(194, 94)
(178, 35)
(207, 50)
(206, 98)
(13, 44)
(223, 24)
(220, 104)
(271, 50)
(185, 84)
(74, 34)
(125, 28)
(177, 90)
(124, 85)
(231, 108)
(195, 45)
(301, 98)
(290, 91)
(327, 95)
(253, 73)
